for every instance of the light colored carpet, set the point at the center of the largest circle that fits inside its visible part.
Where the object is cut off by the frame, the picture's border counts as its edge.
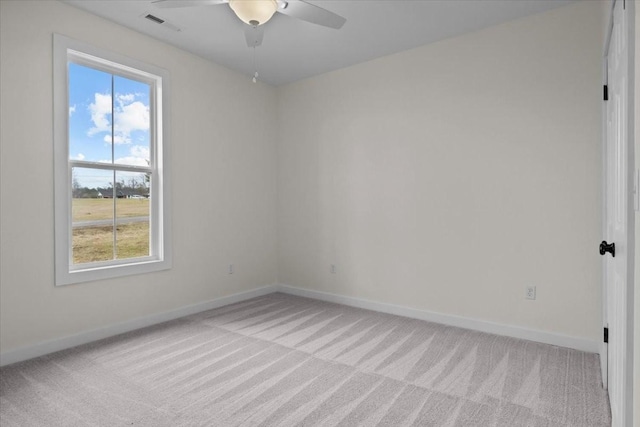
(281, 360)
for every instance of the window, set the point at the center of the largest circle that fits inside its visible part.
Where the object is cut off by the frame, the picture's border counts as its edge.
(111, 175)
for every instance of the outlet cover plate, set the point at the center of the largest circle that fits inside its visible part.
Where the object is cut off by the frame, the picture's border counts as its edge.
(530, 292)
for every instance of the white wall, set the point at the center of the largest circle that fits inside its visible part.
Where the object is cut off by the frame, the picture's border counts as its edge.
(445, 178)
(224, 182)
(636, 310)
(449, 177)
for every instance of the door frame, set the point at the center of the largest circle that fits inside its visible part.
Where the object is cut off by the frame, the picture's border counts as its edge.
(628, 368)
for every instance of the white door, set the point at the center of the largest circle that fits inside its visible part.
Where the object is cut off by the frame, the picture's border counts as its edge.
(616, 213)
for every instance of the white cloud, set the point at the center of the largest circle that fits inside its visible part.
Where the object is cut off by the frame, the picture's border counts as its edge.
(119, 139)
(100, 109)
(130, 116)
(72, 110)
(124, 98)
(140, 151)
(138, 156)
(80, 156)
(132, 161)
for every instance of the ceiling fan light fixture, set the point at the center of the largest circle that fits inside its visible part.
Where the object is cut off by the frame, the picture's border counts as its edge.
(254, 12)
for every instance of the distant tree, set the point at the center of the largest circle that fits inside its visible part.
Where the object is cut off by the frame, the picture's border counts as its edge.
(91, 193)
(147, 179)
(76, 189)
(133, 183)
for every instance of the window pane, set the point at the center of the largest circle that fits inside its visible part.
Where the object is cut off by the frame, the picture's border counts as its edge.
(108, 135)
(92, 215)
(132, 215)
(89, 114)
(132, 122)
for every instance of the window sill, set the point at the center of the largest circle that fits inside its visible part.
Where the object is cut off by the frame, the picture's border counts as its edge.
(71, 277)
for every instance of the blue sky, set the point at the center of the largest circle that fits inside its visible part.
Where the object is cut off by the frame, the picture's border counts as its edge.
(91, 121)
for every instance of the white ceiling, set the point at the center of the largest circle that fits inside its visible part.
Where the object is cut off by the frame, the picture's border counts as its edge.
(294, 49)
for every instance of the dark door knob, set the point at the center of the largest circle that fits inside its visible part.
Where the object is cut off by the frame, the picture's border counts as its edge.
(607, 247)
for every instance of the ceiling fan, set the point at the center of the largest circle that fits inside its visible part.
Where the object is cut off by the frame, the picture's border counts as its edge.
(257, 12)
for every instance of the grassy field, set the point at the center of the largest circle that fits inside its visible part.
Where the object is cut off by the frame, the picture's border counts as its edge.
(91, 244)
(96, 209)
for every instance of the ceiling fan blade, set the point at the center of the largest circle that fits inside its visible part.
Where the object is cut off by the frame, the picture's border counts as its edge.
(254, 35)
(311, 13)
(185, 3)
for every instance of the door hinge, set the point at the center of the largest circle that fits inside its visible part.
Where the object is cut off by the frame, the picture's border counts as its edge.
(606, 92)
(606, 335)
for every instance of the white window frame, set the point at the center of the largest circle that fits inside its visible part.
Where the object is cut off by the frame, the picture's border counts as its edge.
(65, 50)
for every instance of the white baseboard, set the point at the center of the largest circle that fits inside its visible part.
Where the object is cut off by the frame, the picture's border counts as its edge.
(46, 347)
(560, 340)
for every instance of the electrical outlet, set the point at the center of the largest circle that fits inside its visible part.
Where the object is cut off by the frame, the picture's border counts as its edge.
(531, 292)
(333, 269)
(230, 268)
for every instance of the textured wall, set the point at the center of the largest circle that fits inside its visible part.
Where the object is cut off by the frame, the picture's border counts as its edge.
(449, 177)
(444, 178)
(223, 181)
(636, 382)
